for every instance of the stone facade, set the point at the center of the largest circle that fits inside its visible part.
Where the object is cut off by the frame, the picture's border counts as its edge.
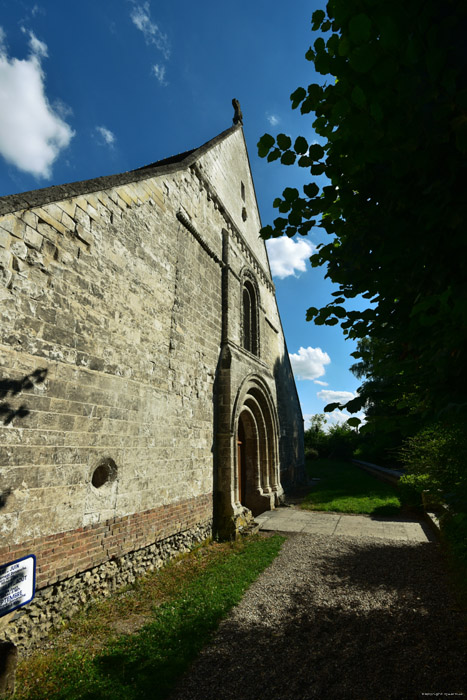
(145, 387)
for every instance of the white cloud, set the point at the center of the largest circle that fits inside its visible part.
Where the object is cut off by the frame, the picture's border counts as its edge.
(287, 256)
(317, 381)
(62, 109)
(141, 18)
(159, 72)
(106, 135)
(330, 396)
(38, 48)
(32, 132)
(338, 417)
(273, 119)
(309, 363)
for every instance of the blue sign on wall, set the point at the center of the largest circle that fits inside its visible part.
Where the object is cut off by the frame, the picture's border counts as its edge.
(17, 583)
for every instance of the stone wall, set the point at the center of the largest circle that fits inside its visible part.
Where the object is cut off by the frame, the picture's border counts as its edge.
(110, 337)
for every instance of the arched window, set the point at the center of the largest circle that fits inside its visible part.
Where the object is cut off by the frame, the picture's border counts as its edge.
(250, 318)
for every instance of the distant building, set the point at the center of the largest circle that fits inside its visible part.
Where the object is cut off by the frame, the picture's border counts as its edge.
(146, 394)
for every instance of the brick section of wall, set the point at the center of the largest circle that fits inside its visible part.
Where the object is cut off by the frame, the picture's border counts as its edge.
(66, 554)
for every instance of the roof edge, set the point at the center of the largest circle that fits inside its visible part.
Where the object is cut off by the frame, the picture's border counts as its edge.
(47, 195)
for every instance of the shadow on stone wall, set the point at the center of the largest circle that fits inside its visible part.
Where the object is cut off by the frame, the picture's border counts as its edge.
(13, 387)
(291, 449)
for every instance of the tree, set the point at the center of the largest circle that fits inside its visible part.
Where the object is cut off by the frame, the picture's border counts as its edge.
(394, 123)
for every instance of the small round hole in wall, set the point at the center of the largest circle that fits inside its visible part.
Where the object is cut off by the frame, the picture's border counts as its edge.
(105, 472)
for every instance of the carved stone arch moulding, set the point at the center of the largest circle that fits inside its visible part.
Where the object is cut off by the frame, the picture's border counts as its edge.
(255, 428)
(249, 312)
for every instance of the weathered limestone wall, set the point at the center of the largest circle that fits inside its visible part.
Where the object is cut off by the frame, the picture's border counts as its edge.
(109, 337)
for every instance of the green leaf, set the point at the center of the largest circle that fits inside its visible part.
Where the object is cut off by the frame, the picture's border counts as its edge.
(297, 96)
(276, 203)
(316, 260)
(290, 193)
(354, 422)
(319, 45)
(318, 169)
(284, 142)
(360, 28)
(311, 312)
(300, 145)
(274, 155)
(316, 151)
(315, 93)
(264, 145)
(280, 223)
(317, 18)
(311, 190)
(323, 63)
(332, 45)
(288, 158)
(355, 404)
(295, 218)
(339, 311)
(266, 232)
(331, 407)
(305, 161)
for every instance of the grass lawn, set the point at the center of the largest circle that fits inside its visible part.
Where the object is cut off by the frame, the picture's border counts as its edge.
(348, 489)
(139, 642)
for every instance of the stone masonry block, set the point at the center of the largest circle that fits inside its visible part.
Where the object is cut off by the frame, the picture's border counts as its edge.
(19, 249)
(30, 218)
(5, 259)
(4, 238)
(125, 195)
(68, 221)
(5, 279)
(13, 225)
(84, 234)
(42, 213)
(32, 238)
(68, 206)
(83, 218)
(138, 192)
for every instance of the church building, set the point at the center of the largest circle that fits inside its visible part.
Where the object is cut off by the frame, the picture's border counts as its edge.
(146, 395)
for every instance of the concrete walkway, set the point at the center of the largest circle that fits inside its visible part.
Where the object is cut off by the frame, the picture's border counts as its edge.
(292, 519)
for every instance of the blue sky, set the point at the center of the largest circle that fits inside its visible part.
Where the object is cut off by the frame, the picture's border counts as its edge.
(95, 88)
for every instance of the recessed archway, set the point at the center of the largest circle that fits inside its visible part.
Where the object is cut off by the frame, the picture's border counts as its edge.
(256, 473)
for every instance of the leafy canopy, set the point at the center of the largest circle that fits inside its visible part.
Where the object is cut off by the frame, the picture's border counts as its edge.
(394, 122)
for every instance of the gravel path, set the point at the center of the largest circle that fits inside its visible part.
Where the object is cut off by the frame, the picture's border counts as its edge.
(339, 618)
